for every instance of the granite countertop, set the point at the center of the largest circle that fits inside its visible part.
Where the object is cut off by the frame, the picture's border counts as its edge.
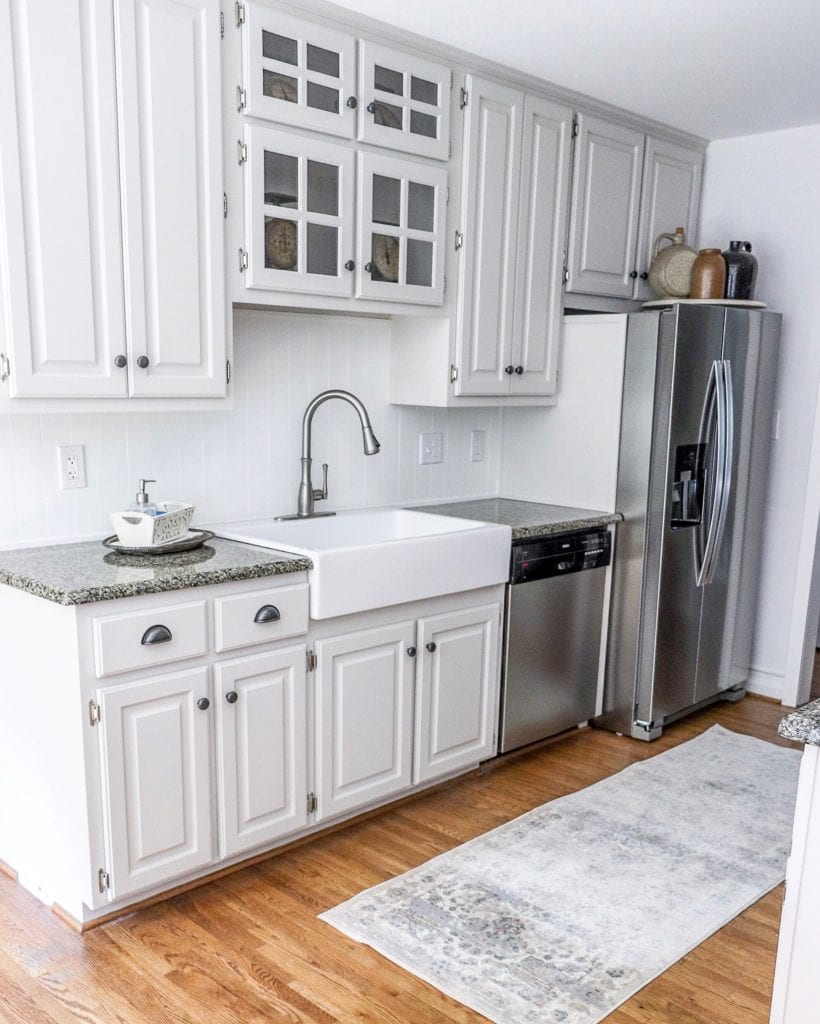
(803, 724)
(83, 573)
(527, 518)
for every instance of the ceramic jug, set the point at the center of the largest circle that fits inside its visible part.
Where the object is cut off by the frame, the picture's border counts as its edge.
(708, 275)
(741, 271)
(671, 269)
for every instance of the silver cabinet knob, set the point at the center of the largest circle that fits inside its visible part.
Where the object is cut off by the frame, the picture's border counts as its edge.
(430, 647)
(120, 362)
(371, 107)
(232, 696)
(143, 362)
(203, 703)
(510, 370)
(352, 102)
(519, 370)
(411, 652)
(350, 265)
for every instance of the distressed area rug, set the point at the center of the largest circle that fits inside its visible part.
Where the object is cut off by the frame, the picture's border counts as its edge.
(564, 913)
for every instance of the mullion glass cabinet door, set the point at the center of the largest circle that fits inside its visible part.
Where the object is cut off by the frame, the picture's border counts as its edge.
(401, 228)
(404, 102)
(298, 213)
(298, 73)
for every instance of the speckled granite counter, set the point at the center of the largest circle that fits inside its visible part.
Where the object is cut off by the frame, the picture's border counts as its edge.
(527, 518)
(84, 573)
(803, 724)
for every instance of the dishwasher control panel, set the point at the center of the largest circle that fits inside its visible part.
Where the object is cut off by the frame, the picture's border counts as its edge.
(539, 558)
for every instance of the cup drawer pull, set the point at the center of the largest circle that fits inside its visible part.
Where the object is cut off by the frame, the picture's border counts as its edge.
(156, 635)
(267, 613)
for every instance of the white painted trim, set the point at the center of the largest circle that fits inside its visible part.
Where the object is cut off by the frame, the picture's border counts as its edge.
(765, 683)
(803, 627)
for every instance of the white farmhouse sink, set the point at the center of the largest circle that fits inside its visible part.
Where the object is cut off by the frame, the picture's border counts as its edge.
(372, 559)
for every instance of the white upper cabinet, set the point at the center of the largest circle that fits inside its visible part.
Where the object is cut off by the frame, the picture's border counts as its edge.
(404, 102)
(402, 214)
(60, 236)
(606, 193)
(545, 173)
(488, 236)
(171, 164)
(670, 198)
(298, 213)
(297, 72)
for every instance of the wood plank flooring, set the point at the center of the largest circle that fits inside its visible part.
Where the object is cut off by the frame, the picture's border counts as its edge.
(248, 949)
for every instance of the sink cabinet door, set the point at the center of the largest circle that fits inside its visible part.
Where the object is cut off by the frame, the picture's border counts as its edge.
(457, 699)
(606, 188)
(155, 746)
(364, 716)
(261, 744)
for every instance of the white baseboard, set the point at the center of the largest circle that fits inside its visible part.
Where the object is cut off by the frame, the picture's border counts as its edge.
(767, 684)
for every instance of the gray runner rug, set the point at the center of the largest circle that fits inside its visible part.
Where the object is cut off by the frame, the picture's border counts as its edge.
(564, 913)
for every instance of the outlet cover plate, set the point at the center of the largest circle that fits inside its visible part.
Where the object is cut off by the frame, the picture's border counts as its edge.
(478, 446)
(431, 448)
(71, 464)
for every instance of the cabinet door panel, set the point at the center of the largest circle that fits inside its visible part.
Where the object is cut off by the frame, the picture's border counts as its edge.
(156, 779)
(261, 748)
(171, 163)
(604, 214)
(61, 268)
(298, 73)
(490, 191)
(545, 171)
(298, 213)
(402, 215)
(364, 709)
(457, 700)
(670, 198)
(404, 102)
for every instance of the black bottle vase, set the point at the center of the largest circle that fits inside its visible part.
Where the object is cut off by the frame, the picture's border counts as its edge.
(741, 271)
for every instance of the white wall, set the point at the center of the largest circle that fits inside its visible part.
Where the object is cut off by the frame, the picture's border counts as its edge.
(244, 463)
(764, 188)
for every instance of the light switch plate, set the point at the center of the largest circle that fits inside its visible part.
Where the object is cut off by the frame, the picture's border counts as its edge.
(477, 446)
(71, 463)
(431, 448)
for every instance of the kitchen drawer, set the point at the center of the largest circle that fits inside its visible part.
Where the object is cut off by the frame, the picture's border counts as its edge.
(259, 617)
(136, 640)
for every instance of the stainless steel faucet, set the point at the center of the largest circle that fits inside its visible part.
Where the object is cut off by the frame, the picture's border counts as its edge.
(307, 494)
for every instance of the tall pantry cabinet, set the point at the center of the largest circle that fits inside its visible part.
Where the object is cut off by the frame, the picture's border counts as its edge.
(111, 228)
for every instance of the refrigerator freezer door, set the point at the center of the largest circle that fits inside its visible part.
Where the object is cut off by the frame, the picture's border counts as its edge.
(668, 661)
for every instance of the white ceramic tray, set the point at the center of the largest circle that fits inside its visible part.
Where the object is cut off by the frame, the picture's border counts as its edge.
(741, 303)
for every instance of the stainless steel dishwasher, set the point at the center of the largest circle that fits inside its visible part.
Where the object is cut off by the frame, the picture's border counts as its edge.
(552, 636)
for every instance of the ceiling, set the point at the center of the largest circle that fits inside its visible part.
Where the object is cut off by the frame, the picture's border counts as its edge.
(717, 68)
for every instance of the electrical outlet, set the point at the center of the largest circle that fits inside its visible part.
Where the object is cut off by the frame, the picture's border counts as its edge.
(431, 448)
(477, 446)
(72, 465)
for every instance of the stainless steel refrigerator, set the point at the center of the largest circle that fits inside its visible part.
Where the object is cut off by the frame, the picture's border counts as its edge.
(696, 426)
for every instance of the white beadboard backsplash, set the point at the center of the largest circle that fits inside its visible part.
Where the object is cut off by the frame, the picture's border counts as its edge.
(244, 464)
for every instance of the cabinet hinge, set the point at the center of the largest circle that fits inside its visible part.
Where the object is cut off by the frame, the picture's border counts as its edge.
(241, 98)
(241, 151)
(243, 260)
(94, 712)
(311, 803)
(221, 25)
(463, 99)
(312, 661)
(565, 274)
(452, 79)
(224, 204)
(103, 880)
(453, 373)
(239, 13)
(447, 194)
(575, 127)
(228, 371)
(449, 150)
(459, 240)
(445, 284)
(5, 368)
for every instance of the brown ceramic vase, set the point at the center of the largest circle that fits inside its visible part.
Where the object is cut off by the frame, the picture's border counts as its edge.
(708, 275)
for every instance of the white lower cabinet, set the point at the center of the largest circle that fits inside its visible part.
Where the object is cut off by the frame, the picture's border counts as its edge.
(364, 714)
(261, 748)
(457, 686)
(156, 780)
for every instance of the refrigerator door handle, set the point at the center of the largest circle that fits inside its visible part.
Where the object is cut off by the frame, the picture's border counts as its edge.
(714, 404)
(725, 381)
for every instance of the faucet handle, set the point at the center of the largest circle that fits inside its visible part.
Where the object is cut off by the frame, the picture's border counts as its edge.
(320, 495)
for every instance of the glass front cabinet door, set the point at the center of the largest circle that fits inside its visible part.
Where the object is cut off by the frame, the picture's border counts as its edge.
(404, 102)
(298, 73)
(299, 213)
(401, 230)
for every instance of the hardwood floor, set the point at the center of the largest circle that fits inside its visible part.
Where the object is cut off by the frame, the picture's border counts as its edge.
(248, 949)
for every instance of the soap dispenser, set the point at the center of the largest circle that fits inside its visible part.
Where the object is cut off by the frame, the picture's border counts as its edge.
(143, 503)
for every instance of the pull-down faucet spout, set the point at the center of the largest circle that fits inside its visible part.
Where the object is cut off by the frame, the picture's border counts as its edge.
(308, 496)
